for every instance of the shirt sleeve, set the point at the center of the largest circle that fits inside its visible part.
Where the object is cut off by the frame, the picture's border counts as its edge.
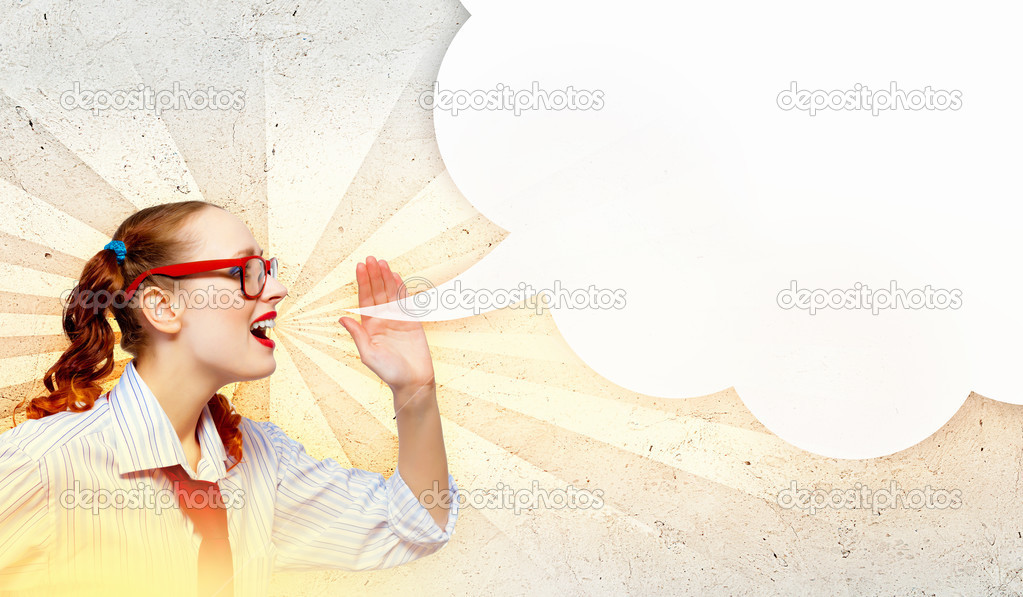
(25, 530)
(329, 516)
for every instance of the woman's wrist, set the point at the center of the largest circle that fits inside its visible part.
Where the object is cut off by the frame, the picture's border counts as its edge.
(414, 397)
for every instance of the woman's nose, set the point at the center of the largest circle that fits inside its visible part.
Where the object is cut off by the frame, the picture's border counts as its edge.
(274, 291)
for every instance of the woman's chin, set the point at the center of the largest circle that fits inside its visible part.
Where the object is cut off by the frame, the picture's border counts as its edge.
(266, 371)
(266, 367)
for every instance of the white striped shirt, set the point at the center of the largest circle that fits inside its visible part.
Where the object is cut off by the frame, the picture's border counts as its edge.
(286, 510)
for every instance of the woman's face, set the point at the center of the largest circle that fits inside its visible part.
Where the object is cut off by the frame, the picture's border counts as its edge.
(216, 318)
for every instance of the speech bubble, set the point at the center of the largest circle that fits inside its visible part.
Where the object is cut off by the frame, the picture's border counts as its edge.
(734, 155)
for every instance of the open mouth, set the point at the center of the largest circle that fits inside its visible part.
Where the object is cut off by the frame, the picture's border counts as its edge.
(260, 329)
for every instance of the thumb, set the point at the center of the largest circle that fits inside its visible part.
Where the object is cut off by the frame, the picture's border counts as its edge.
(357, 331)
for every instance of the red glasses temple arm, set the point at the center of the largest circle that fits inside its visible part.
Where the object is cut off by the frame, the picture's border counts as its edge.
(183, 269)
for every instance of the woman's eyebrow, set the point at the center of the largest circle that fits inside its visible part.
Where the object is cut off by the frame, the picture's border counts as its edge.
(249, 251)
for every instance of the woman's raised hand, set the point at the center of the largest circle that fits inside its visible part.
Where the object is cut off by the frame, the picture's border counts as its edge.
(395, 350)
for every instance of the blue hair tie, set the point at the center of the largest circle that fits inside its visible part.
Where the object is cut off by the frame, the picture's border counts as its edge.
(117, 247)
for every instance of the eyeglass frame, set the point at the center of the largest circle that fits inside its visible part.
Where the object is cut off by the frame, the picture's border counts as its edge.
(198, 267)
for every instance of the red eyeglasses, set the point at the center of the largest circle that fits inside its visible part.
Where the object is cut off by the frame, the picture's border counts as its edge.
(255, 270)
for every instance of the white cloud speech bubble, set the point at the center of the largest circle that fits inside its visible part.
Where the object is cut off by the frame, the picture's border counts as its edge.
(693, 190)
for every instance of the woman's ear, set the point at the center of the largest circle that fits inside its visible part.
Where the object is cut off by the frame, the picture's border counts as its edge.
(159, 310)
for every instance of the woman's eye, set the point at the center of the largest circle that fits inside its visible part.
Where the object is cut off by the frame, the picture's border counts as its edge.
(235, 271)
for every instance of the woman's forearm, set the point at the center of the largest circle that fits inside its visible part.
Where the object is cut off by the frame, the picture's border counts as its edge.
(422, 460)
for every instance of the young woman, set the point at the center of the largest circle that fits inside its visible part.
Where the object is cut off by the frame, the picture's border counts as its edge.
(116, 490)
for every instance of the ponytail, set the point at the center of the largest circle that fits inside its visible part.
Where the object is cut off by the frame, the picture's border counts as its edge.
(74, 382)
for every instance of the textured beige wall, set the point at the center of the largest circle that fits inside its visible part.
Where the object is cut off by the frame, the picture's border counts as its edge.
(331, 160)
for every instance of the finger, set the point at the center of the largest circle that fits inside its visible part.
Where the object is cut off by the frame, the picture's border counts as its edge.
(376, 282)
(365, 291)
(358, 334)
(390, 288)
(401, 291)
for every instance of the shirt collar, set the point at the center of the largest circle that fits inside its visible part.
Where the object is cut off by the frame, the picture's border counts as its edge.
(147, 440)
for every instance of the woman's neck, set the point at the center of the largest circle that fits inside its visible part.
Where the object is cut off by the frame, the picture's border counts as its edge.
(182, 396)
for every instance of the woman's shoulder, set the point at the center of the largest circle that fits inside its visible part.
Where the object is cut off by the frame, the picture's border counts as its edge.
(261, 429)
(266, 435)
(38, 437)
